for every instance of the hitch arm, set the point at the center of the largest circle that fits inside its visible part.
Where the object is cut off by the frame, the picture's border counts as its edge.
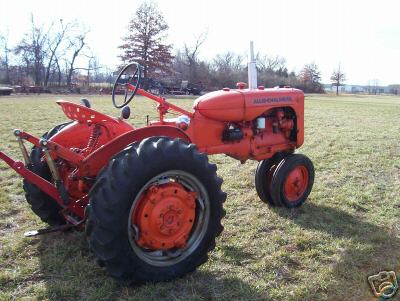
(27, 137)
(30, 176)
(58, 149)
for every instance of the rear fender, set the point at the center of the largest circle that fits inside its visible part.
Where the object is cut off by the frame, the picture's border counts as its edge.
(99, 158)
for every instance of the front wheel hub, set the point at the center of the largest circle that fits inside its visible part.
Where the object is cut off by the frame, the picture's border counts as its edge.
(165, 216)
(296, 183)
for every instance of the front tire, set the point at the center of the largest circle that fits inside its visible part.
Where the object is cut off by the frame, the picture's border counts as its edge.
(155, 211)
(263, 176)
(292, 181)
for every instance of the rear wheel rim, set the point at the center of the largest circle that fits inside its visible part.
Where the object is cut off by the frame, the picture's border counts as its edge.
(168, 257)
(296, 183)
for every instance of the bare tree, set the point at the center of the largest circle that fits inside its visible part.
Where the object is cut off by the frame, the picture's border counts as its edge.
(272, 70)
(191, 56)
(40, 50)
(5, 57)
(93, 68)
(267, 63)
(33, 52)
(58, 70)
(338, 78)
(310, 78)
(45, 54)
(76, 44)
(53, 45)
(228, 61)
(144, 43)
(191, 52)
(228, 69)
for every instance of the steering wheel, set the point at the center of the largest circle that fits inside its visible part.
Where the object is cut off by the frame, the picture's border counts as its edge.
(129, 77)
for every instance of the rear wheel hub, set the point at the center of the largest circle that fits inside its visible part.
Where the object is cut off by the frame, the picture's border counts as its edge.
(165, 216)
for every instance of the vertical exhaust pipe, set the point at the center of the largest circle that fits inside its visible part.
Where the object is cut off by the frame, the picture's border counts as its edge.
(252, 70)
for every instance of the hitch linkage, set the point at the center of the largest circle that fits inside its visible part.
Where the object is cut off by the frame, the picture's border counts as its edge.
(54, 172)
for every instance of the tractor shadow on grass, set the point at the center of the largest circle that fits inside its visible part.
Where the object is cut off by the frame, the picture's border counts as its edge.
(369, 248)
(69, 272)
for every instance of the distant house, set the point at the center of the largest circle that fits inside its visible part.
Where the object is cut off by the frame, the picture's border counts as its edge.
(394, 89)
(379, 90)
(391, 89)
(358, 89)
(346, 88)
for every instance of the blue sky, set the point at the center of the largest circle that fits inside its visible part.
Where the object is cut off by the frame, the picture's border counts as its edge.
(363, 36)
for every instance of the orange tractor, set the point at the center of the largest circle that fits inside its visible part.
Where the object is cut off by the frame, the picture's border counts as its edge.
(149, 199)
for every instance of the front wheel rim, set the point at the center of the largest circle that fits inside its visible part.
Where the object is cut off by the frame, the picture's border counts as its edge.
(168, 257)
(296, 183)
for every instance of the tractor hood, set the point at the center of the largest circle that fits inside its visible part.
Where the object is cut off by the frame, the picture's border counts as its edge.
(223, 105)
(245, 105)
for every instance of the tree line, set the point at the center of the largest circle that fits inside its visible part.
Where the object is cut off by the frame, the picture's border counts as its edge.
(145, 43)
(49, 56)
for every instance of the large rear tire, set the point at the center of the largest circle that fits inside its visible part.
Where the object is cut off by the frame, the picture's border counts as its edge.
(131, 199)
(42, 204)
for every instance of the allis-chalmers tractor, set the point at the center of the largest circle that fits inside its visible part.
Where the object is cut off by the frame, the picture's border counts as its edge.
(150, 201)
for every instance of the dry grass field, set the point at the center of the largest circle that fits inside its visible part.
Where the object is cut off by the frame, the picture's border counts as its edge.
(348, 229)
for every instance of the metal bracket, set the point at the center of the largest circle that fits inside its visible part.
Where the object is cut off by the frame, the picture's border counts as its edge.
(54, 172)
(22, 147)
